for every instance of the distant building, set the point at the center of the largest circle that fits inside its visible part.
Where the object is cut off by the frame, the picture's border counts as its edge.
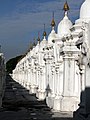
(2, 77)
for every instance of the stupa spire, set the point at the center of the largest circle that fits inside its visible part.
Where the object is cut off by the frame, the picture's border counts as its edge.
(53, 22)
(66, 8)
(44, 33)
(34, 42)
(38, 38)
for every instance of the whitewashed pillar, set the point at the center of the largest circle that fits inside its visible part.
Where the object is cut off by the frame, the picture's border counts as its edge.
(53, 81)
(69, 100)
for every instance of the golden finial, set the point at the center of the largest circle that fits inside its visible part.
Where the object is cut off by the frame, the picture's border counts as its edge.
(38, 37)
(53, 22)
(44, 33)
(66, 6)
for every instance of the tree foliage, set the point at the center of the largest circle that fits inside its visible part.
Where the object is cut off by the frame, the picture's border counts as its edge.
(11, 64)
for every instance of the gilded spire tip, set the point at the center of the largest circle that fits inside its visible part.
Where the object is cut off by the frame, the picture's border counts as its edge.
(53, 21)
(44, 33)
(66, 6)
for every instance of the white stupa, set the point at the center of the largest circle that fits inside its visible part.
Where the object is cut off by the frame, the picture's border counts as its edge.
(52, 36)
(85, 10)
(65, 24)
(43, 43)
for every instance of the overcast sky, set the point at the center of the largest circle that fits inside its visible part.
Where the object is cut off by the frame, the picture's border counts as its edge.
(21, 20)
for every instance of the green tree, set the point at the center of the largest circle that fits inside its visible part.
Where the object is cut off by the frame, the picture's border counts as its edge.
(11, 64)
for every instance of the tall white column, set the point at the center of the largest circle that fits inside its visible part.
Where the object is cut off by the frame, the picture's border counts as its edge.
(57, 96)
(42, 88)
(60, 86)
(69, 100)
(53, 81)
(69, 75)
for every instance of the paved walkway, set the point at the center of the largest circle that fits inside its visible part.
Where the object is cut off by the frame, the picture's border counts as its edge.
(18, 104)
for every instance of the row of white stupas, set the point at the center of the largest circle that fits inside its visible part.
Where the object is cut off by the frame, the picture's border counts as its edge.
(2, 77)
(58, 69)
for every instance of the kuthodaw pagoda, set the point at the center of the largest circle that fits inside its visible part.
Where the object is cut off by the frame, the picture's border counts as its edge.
(58, 69)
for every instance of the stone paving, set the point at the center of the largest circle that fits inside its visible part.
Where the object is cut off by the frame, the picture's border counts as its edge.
(18, 104)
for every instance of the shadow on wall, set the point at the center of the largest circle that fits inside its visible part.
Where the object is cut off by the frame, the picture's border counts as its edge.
(83, 113)
(48, 90)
